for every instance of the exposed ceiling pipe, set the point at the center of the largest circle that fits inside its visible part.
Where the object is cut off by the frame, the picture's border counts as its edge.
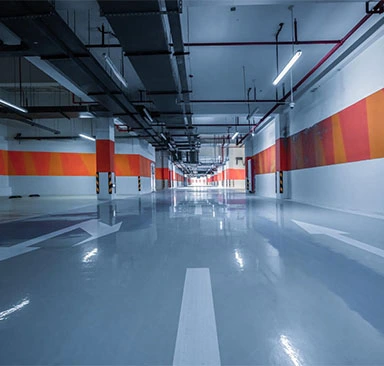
(180, 53)
(312, 71)
(228, 101)
(233, 44)
(56, 75)
(45, 28)
(264, 43)
(34, 124)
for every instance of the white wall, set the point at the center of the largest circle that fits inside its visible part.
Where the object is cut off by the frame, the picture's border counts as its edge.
(264, 183)
(264, 139)
(48, 185)
(354, 186)
(135, 146)
(360, 77)
(129, 185)
(174, 169)
(78, 146)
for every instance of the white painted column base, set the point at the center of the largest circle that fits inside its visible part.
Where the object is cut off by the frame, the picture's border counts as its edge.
(104, 185)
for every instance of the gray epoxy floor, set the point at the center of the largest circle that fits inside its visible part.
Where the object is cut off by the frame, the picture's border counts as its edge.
(281, 295)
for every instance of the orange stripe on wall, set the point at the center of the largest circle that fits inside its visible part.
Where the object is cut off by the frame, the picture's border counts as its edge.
(130, 165)
(338, 142)
(265, 161)
(51, 163)
(375, 116)
(354, 127)
(3, 162)
(179, 177)
(354, 134)
(162, 173)
(33, 163)
(235, 174)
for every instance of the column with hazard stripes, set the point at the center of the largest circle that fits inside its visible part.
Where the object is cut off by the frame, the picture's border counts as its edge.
(162, 169)
(282, 158)
(105, 159)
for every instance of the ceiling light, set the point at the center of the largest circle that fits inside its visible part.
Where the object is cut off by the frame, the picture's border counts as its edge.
(288, 67)
(163, 136)
(235, 135)
(20, 109)
(86, 115)
(117, 122)
(87, 137)
(148, 114)
(115, 70)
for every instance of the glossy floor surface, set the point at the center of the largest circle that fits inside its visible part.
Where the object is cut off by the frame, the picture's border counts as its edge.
(192, 277)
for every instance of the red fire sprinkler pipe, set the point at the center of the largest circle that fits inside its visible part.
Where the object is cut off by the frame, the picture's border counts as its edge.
(313, 70)
(260, 43)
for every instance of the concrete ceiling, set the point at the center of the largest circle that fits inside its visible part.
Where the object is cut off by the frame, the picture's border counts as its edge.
(220, 76)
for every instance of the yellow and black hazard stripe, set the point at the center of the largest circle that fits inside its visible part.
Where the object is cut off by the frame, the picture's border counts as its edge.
(281, 178)
(139, 183)
(110, 183)
(97, 183)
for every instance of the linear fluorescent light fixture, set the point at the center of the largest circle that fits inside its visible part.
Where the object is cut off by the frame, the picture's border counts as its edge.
(115, 70)
(117, 122)
(163, 136)
(87, 137)
(10, 105)
(86, 115)
(235, 135)
(289, 65)
(148, 115)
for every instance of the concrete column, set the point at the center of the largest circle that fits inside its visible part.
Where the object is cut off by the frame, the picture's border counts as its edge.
(162, 169)
(249, 174)
(105, 158)
(5, 189)
(282, 157)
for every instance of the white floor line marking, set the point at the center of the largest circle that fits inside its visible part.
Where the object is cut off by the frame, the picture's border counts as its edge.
(196, 342)
(198, 210)
(339, 235)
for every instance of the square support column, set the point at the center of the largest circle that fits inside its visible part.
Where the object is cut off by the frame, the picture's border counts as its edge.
(105, 159)
(162, 169)
(282, 156)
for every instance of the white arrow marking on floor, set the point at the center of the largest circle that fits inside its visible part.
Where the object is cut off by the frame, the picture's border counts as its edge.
(93, 227)
(196, 342)
(339, 235)
(97, 229)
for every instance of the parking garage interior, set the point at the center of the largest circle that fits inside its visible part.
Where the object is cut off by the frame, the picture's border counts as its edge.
(191, 182)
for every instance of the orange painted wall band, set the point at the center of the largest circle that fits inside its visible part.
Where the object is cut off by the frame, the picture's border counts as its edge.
(129, 165)
(354, 134)
(235, 174)
(162, 173)
(51, 163)
(3, 162)
(31, 163)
